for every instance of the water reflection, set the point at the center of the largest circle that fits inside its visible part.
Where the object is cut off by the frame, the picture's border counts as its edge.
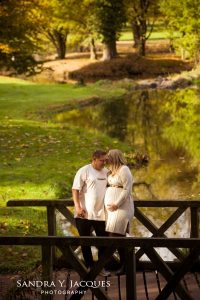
(162, 124)
(113, 118)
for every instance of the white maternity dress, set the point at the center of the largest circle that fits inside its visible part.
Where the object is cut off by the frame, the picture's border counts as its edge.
(119, 193)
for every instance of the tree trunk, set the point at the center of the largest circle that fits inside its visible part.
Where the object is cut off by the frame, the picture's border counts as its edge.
(142, 46)
(58, 39)
(109, 50)
(93, 53)
(60, 44)
(139, 31)
(136, 34)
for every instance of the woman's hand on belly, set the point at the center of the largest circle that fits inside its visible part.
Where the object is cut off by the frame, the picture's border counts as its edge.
(111, 207)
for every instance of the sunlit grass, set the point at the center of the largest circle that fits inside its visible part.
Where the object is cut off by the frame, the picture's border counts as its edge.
(20, 98)
(157, 35)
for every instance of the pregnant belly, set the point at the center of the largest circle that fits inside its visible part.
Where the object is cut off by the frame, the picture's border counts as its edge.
(111, 195)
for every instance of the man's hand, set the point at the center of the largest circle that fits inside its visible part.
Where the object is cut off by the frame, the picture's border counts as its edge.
(112, 207)
(80, 212)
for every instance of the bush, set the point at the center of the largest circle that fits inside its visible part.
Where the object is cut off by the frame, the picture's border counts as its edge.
(18, 63)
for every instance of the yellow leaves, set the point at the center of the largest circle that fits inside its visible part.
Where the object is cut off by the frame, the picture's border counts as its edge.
(5, 48)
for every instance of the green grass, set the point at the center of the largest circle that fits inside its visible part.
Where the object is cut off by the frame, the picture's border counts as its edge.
(20, 98)
(40, 156)
(155, 35)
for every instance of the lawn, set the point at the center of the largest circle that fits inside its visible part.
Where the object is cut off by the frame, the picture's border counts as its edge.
(157, 35)
(159, 32)
(40, 156)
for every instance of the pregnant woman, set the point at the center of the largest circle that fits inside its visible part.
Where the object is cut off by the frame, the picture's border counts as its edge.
(118, 200)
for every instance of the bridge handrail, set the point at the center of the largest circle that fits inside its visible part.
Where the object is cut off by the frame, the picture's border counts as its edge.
(137, 203)
(112, 243)
(101, 241)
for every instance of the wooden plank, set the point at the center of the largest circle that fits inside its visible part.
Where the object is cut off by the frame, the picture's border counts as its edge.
(40, 202)
(194, 233)
(130, 273)
(178, 275)
(101, 241)
(51, 221)
(145, 221)
(137, 203)
(167, 203)
(167, 273)
(47, 269)
(51, 224)
(176, 214)
(67, 214)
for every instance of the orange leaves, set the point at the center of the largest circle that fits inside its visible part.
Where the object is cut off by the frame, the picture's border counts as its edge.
(5, 48)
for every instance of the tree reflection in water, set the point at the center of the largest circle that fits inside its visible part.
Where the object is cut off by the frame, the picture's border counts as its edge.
(164, 125)
(113, 118)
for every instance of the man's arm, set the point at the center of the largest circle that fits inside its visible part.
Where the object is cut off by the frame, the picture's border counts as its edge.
(79, 210)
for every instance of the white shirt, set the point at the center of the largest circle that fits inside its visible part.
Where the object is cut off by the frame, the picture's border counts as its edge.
(91, 184)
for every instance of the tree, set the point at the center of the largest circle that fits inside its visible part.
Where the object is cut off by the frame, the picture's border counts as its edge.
(79, 17)
(109, 17)
(18, 31)
(141, 15)
(184, 16)
(96, 19)
(54, 25)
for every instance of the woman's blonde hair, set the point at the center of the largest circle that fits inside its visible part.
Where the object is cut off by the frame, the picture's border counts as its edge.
(116, 159)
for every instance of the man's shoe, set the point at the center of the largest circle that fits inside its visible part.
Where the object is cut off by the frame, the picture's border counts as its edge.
(104, 273)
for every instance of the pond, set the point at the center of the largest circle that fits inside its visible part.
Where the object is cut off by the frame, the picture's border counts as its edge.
(162, 127)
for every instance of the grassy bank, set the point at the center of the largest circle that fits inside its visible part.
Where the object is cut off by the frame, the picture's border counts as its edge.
(40, 156)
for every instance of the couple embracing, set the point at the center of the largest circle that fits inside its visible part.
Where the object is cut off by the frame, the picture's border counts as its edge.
(102, 199)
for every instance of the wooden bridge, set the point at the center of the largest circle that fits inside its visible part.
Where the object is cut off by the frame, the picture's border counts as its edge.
(186, 251)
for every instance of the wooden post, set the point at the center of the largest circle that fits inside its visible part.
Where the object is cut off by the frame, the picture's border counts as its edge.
(51, 223)
(51, 220)
(47, 270)
(194, 233)
(130, 274)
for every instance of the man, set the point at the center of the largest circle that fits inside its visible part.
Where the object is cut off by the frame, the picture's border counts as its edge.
(88, 192)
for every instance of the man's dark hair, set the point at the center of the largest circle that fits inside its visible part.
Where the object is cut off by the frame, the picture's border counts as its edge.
(98, 154)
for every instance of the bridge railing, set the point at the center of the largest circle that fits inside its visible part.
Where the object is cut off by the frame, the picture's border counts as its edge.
(65, 244)
(63, 207)
(180, 206)
(184, 259)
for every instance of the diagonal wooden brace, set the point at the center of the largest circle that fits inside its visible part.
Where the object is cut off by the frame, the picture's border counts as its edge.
(84, 274)
(186, 265)
(166, 272)
(159, 232)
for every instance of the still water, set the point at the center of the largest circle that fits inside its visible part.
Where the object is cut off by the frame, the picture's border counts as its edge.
(162, 129)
